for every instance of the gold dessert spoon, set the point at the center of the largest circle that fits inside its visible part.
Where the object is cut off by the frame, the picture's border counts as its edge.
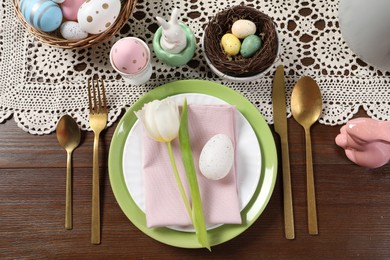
(306, 107)
(68, 135)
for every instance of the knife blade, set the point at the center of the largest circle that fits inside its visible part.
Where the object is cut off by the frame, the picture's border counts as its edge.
(280, 126)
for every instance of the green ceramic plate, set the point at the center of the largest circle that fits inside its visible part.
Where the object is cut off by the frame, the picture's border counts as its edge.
(260, 198)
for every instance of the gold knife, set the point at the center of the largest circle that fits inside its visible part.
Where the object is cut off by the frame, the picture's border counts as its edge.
(280, 126)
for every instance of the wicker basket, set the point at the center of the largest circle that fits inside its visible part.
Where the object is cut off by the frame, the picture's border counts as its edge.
(55, 39)
(238, 66)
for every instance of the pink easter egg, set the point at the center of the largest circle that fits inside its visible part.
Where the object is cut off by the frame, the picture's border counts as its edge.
(129, 55)
(70, 9)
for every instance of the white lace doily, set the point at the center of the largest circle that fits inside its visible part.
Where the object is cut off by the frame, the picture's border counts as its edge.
(38, 83)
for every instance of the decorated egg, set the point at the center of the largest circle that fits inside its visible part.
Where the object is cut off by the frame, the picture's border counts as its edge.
(230, 44)
(242, 28)
(129, 55)
(217, 157)
(250, 45)
(70, 9)
(59, 1)
(97, 16)
(44, 15)
(71, 30)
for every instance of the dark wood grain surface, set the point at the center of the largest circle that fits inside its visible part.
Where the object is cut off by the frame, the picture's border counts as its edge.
(353, 206)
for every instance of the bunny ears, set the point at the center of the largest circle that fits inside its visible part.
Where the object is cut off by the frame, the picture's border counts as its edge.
(174, 19)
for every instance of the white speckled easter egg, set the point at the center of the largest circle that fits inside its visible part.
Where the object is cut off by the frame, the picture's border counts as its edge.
(44, 15)
(70, 9)
(242, 28)
(71, 31)
(217, 156)
(129, 55)
(98, 15)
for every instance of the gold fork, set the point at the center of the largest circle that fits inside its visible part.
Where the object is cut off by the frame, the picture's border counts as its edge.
(97, 121)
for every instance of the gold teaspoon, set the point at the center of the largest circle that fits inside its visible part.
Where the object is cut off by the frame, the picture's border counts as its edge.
(68, 135)
(306, 107)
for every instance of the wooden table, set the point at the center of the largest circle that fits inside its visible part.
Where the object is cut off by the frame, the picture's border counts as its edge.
(353, 206)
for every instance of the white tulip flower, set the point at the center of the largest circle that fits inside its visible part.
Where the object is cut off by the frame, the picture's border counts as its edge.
(161, 119)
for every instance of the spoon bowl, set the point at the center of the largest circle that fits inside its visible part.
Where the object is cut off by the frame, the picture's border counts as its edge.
(306, 107)
(306, 101)
(68, 135)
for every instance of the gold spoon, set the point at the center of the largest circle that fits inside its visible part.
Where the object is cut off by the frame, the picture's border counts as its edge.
(306, 107)
(68, 135)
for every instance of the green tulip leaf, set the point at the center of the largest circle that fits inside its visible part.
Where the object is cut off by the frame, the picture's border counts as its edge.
(188, 162)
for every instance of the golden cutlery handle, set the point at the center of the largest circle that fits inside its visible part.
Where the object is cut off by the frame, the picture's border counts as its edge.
(68, 195)
(311, 198)
(95, 226)
(287, 192)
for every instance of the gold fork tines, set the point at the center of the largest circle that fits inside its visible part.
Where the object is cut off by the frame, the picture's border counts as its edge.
(98, 121)
(99, 105)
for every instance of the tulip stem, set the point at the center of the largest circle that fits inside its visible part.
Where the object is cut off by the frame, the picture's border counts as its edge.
(178, 180)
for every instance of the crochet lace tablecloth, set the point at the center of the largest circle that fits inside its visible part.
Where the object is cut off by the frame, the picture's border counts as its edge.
(38, 83)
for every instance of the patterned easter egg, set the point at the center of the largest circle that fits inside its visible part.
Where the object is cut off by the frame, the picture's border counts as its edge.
(97, 16)
(129, 55)
(44, 15)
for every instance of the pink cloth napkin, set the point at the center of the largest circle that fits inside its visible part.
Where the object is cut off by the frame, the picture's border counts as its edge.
(163, 202)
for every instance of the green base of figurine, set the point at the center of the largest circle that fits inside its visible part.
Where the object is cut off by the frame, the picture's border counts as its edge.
(175, 59)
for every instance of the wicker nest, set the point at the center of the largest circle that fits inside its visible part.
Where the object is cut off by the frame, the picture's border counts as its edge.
(238, 66)
(55, 39)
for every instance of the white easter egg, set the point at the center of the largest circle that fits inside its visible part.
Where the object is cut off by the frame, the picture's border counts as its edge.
(217, 157)
(243, 28)
(97, 16)
(71, 31)
(58, 1)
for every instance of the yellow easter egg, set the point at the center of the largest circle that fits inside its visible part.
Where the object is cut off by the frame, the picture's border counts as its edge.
(230, 44)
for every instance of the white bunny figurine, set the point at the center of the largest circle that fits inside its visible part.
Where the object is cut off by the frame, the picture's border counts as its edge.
(173, 38)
